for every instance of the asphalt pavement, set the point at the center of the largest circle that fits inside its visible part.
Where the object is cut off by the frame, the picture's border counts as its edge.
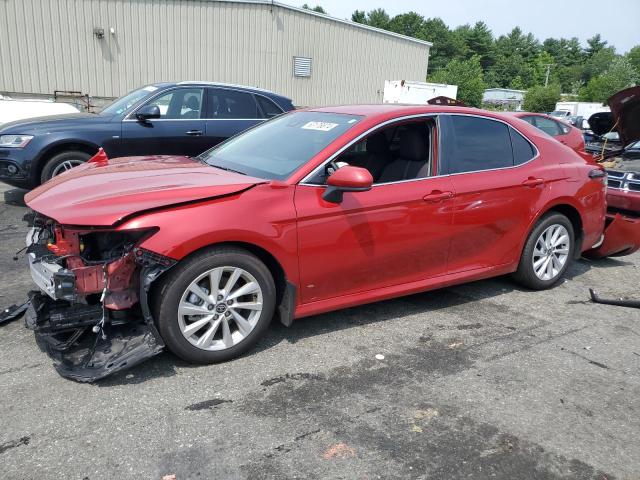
(484, 380)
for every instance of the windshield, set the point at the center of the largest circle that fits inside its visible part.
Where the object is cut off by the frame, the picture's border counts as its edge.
(124, 104)
(277, 148)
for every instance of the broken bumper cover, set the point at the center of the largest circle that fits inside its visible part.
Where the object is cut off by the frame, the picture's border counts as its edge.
(89, 341)
(621, 237)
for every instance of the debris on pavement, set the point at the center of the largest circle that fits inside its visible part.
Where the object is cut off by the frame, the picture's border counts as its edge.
(620, 302)
(13, 312)
(379, 356)
(339, 450)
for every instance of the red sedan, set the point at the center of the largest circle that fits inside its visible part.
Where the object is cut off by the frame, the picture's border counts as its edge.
(312, 211)
(561, 131)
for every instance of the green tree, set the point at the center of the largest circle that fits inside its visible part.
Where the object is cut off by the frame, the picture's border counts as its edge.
(595, 44)
(541, 99)
(447, 44)
(359, 16)
(598, 63)
(479, 41)
(633, 56)
(410, 24)
(467, 75)
(619, 76)
(317, 8)
(378, 18)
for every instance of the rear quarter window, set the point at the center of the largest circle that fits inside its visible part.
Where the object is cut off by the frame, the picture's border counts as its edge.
(523, 151)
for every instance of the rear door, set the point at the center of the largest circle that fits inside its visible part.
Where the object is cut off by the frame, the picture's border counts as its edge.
(229, 112)
(497, 182)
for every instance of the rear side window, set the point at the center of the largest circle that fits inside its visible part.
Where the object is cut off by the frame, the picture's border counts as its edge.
(471, 144)
(523, 151)
(232, 104)
(548, 126)
(269, 109)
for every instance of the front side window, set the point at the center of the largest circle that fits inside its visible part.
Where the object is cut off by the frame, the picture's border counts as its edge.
(124, 104)
(472, 144)
(279, 147)
(232, 104)
(395, 153)
(180, 104)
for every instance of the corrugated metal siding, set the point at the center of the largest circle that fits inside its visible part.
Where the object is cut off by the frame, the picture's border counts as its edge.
(48, 45)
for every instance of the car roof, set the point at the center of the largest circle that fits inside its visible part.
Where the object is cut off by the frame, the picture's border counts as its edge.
(224, 85)
(393, 110)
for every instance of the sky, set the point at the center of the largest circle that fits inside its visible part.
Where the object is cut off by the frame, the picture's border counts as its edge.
(618, 21)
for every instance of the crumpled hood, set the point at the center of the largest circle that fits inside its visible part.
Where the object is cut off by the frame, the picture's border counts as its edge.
(101, 193)
(624, 116)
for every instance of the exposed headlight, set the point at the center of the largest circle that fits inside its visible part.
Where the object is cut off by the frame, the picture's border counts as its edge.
(15, 141)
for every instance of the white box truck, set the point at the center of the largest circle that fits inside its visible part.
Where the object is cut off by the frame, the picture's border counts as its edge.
(416, 93)
(578, 109)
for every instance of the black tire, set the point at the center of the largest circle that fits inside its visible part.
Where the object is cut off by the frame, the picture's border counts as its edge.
(168, 293)
(58, 159)
(525, 275)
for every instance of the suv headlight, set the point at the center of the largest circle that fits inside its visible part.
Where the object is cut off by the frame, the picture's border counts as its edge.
(15, 141)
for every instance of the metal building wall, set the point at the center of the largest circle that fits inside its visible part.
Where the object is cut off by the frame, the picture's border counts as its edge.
(48, 45)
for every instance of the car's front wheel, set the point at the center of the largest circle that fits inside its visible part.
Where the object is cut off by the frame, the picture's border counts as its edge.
(62, 162)
(215, 305)
(547, 253)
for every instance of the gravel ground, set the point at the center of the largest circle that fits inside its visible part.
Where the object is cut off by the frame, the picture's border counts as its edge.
(483, 380)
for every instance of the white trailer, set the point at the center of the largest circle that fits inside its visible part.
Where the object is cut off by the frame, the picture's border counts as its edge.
(11, 110)
(578, 109)
(416, 93)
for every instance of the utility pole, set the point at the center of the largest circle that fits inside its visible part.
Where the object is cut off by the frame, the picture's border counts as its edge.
(546, 79)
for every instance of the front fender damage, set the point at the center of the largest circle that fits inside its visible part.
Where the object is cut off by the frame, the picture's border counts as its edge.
(99, 322)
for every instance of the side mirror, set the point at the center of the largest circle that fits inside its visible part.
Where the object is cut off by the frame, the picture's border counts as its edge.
(148, 112)
(347, 179)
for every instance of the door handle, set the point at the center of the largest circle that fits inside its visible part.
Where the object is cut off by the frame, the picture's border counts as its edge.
(194, 133)
(437, 196)
(533, 182)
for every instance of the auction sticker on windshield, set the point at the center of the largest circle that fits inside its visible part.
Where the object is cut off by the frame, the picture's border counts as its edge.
(320, 126)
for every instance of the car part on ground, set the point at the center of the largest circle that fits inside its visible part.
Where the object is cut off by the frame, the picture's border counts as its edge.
(621, 237)
(620, 302)
(14, 312)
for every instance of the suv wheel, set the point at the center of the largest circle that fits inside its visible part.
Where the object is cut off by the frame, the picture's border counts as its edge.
(216, 305)
(62, 162)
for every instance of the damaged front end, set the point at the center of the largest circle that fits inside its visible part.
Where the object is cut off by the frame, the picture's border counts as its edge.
(91, 313)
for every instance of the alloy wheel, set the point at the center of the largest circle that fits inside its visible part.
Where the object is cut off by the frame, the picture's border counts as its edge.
(64, 166)
(551, 252)
(220, 308)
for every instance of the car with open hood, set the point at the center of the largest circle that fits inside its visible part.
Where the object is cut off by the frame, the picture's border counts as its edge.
(621, 154)
(309, 212)
(184, 118)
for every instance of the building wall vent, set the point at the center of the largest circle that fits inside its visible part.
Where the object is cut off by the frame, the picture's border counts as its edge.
(301, 67)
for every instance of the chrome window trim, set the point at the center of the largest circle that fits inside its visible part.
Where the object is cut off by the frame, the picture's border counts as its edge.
(411, 117)
(131, 116)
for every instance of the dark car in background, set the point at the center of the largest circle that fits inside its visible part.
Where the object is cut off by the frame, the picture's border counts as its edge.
(183, 118)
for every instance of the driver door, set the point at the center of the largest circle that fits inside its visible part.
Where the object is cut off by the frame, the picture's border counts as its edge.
(180, 130)
(396, 233)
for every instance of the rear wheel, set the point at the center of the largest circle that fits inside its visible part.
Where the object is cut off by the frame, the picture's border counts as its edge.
(547, 253)
(62, 162)
(216, 305)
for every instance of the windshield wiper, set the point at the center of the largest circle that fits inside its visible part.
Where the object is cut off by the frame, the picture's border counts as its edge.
(227, 169)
